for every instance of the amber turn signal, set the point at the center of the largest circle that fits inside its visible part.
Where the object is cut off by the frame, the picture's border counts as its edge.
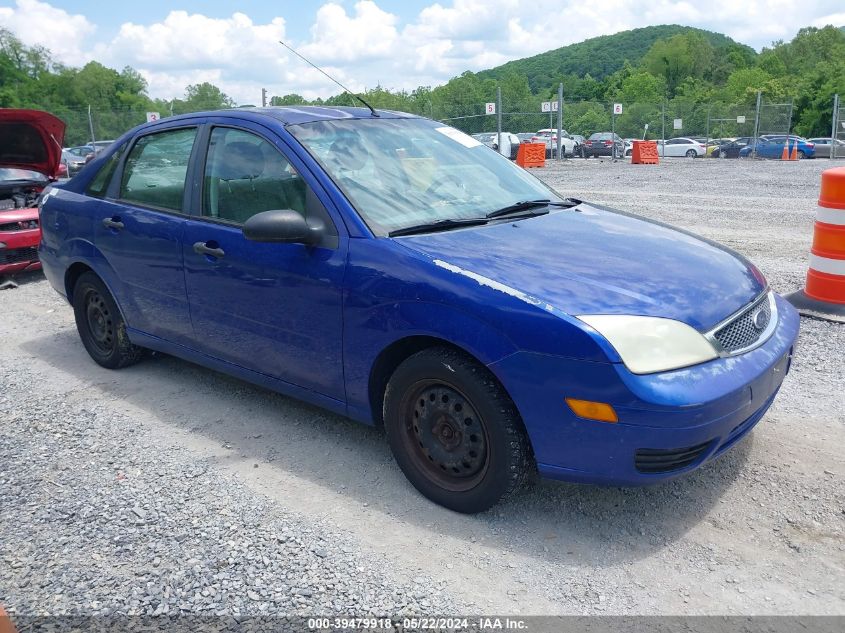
(590, 410)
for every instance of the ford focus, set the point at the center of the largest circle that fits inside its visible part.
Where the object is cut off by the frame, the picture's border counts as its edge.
(395, 270)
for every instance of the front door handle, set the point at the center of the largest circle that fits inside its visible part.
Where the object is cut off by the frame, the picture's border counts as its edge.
(113, 223)
(202, 248)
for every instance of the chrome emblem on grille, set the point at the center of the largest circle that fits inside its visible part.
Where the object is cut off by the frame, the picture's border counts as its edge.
(758, 320)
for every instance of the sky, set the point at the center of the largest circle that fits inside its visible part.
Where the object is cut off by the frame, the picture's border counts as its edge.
(397, 44)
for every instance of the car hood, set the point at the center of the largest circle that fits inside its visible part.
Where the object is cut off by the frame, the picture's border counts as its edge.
(593, 260)
(31, 139)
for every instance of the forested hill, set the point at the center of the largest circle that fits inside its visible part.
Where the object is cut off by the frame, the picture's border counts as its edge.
(604, 55)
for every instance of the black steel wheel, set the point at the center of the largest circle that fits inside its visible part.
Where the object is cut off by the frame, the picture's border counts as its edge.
(454, 431)
(100, 324)
(446, 435)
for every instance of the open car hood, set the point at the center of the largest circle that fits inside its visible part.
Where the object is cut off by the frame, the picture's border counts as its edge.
(31, 139)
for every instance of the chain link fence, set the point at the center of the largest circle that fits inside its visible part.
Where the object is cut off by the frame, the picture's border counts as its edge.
(654, 121)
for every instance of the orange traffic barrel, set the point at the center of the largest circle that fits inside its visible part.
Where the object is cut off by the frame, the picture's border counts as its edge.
(823, 295)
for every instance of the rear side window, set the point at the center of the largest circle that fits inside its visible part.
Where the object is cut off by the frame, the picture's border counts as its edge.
(156, 167)
(100, 183)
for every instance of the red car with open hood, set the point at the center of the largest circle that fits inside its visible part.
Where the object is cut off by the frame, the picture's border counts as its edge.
(30, 159)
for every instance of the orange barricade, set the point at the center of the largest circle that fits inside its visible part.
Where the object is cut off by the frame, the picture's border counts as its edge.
(6, 625)
(823, 295)
(531, 155)
(644, 153)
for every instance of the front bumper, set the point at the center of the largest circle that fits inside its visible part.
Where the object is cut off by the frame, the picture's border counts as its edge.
(19, 251)
(669, 423)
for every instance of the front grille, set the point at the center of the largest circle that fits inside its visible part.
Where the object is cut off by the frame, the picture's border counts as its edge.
(745, 329)
(18, 255)
(19, 226)
(662, 460)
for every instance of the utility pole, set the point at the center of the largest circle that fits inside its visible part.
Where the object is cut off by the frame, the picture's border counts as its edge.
(499, 118)
(264, 97)
(559, 121)
(833, 130)
(91, 124)
(756, 124)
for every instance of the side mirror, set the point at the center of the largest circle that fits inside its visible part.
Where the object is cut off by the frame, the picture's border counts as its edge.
(283, 226)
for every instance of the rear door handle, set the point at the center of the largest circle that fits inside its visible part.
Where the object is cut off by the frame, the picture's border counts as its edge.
(113, 223)
(202, 248)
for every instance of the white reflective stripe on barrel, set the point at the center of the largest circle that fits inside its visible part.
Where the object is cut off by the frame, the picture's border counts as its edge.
(827, 265)
(830, 216)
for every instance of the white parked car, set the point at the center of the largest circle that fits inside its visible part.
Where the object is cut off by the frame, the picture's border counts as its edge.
(549, 137)
(680, 147)
(507, 145)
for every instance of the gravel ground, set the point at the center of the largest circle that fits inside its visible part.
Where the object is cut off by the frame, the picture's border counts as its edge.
(169, 488)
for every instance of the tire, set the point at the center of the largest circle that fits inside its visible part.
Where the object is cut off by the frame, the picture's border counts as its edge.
(691, 153)
(101, 326)
(454, 432)
(801, 155)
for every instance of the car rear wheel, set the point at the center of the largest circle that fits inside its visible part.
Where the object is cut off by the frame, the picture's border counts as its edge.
(801, 155)
(691, 153)
(454, 431)
(101, 326)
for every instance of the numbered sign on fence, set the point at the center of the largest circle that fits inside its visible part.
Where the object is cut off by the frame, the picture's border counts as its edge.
(490, 108)
(617, 108)
(152, 116)
(678, 124)
(740, 119)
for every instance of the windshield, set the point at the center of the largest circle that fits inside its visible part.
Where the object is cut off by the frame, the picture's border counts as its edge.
(14, 174)
(399, 173)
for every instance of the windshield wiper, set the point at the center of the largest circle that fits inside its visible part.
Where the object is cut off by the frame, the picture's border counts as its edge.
(439, 225)
(526, 205)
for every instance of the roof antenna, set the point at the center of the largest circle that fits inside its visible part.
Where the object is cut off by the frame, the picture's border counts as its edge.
(359, 97)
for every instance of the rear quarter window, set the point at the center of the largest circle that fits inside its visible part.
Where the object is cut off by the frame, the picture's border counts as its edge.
(99, 184)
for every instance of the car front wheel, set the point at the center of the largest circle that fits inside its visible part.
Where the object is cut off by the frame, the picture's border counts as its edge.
(454, 431)
(101, 326)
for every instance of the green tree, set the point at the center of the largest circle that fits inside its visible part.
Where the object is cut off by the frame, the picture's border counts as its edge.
(681, 56)
(205, 96)
(287, 100)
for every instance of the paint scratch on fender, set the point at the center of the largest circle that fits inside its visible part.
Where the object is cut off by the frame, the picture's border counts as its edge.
(449, 367)
(495, 285)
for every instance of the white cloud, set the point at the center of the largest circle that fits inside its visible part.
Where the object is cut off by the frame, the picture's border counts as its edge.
(369, 34)
(365, 44)
(40, 24)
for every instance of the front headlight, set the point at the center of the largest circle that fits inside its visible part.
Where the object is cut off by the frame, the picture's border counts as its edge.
(651, 344)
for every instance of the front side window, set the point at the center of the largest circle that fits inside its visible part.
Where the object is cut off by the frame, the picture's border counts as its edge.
(245, 174)
(156, 167)
(399, 173)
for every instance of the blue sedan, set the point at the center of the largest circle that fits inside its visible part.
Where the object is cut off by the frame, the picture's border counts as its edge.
(772, 147)
(396, 271)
